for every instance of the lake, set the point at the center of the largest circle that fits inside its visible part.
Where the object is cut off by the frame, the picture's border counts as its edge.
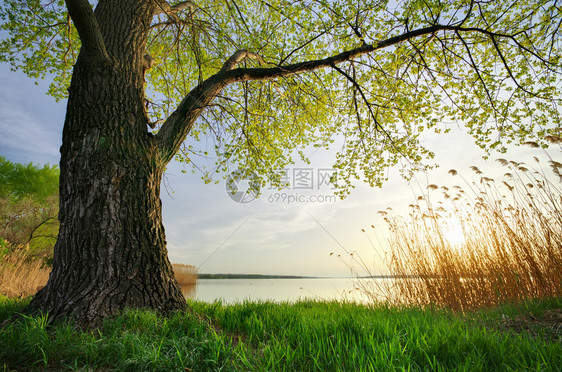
(280, 290)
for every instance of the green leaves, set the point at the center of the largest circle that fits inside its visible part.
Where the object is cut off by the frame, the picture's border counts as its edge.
(18, 181)
(492, 66)
(40, 41)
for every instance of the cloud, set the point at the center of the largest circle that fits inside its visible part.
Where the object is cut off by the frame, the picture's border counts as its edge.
(30, 122)
(24, 138)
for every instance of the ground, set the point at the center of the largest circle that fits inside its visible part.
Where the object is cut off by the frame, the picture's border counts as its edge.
(547, 325)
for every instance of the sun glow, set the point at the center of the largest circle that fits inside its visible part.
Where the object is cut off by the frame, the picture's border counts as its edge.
(453, 232)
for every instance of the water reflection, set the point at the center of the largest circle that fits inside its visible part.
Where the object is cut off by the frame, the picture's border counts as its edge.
(189, 291)
(279, 290)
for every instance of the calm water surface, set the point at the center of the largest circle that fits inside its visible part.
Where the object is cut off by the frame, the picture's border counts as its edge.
(280, 290)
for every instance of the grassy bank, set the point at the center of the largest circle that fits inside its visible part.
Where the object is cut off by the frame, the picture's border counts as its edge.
(307, 336)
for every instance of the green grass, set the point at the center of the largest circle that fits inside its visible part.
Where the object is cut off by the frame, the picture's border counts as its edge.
(306, 336)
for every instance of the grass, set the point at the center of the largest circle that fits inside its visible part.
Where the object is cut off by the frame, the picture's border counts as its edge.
(134, 341)
(482, 244)
(306, 336)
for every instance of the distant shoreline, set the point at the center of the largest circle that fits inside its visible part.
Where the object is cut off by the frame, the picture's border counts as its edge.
(264, 276)
(252, 276)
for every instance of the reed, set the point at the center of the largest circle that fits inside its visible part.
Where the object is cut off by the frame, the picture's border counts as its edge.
(186, 275)
(484, 244)
(21, 276)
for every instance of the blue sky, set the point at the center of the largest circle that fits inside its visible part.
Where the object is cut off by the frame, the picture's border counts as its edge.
(204, 226)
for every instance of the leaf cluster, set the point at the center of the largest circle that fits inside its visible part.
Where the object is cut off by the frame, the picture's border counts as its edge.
(40, 41)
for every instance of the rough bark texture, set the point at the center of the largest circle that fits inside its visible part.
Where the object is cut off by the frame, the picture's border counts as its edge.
(111, 252)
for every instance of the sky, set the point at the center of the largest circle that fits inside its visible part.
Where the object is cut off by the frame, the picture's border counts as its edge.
(287, 232)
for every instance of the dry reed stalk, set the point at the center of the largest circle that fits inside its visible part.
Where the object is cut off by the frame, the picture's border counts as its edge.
(512, 248)
(186, 275)
(20, 276)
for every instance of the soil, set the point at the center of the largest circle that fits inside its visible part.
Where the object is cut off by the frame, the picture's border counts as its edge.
(547, 325)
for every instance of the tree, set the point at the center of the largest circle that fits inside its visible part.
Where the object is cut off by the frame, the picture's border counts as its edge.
(261, 80)
(28, 207)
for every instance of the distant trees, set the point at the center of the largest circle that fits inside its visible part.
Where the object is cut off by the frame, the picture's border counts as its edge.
(28, 207)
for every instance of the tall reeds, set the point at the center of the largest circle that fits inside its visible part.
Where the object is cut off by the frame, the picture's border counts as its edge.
(186, 275)
(20, 275)
(494, 242)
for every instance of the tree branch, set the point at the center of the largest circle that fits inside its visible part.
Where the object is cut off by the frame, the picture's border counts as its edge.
(177, 126)
(171, 11)
(506, 65)
(175, 129)
(87, 26)
(239, 57)
(478, 74)
(165, 7)
(243, 74)
(31, 236)
(378, 126)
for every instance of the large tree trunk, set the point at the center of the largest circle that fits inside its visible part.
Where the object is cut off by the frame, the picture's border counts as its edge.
(111, 250)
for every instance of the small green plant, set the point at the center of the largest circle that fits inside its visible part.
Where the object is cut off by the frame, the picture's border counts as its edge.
(4, 246)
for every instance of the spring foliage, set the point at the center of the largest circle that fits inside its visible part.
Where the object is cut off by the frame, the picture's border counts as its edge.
(493, 66)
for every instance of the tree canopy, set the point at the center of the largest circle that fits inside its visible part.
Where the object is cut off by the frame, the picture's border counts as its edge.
(365, 76)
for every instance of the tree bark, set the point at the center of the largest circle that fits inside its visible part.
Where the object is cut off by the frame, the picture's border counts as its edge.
(111, 251)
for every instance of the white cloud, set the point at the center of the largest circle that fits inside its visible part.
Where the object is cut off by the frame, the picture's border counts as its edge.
(30, 122)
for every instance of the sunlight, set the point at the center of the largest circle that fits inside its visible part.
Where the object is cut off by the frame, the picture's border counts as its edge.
(453, 232)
